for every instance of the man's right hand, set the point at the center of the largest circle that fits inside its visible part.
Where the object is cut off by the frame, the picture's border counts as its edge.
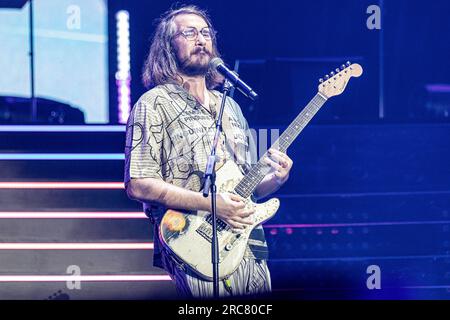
(231, 209)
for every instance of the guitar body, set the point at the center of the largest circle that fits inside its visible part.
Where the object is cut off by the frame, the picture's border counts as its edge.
(188, 234)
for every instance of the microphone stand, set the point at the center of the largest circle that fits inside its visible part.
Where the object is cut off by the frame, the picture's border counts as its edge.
(210, 185)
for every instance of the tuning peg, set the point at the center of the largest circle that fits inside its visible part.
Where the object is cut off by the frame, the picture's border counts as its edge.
(348, 63)
(327, 77)
(320, 80)
(337, 70)
(332, 73)
(343, 67)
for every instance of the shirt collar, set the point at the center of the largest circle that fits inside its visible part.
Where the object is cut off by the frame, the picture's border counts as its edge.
(178, 89)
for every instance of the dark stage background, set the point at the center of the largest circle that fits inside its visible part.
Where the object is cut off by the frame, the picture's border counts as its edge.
(371, 175)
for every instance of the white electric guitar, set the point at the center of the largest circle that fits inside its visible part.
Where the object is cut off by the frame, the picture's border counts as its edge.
(188, 234)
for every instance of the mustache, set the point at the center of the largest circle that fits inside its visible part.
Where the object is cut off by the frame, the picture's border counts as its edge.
(199, 50)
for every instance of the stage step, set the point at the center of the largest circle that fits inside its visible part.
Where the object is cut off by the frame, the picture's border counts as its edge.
(67, 200)
(75, 230)
(89, 290)
(72, 139)
(61, 170)
(90, 261)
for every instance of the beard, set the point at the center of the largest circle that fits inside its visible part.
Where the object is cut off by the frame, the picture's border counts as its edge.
(196, 64)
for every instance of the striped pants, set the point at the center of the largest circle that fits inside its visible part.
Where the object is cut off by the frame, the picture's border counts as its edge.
(251, 278)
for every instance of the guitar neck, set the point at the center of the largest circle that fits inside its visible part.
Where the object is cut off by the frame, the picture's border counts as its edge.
(249, 183)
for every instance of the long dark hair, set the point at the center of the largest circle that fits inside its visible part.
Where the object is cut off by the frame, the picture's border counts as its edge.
(161, 65)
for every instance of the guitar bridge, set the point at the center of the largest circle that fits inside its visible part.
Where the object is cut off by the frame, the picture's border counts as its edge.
(205, 230)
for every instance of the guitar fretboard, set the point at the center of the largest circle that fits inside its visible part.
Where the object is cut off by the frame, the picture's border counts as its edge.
(248, 184)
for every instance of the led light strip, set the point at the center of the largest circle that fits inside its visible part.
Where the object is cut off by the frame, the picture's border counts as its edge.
(76, 246)
(356, 224)
(62, 128)
(62, 185)
(361, 258)
(72, 278)
(72, 215)
(123, 77)
(62, 156)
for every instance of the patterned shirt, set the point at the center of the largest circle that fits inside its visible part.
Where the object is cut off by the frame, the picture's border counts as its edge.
(169, 137)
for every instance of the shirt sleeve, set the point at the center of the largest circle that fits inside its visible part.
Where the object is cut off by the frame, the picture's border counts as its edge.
(144, 137)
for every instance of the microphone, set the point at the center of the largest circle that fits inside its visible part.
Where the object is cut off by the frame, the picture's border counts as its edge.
(219, 65)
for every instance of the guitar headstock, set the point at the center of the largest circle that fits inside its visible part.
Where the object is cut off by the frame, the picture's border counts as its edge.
(334, 83)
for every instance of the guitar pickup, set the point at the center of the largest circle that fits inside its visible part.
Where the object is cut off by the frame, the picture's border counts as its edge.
(221, 225)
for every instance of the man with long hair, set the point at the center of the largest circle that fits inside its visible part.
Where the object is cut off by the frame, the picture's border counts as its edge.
(169, 137)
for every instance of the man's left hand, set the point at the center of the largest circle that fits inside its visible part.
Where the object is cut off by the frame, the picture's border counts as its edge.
(280, 163)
